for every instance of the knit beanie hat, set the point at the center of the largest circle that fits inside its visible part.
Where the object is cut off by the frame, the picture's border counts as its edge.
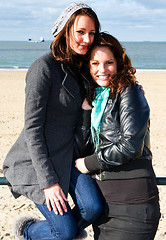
(66, 14)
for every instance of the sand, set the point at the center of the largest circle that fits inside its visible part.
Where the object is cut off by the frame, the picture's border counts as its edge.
(12, 84)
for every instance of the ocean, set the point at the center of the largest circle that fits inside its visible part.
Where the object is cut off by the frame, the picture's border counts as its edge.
(19, 55)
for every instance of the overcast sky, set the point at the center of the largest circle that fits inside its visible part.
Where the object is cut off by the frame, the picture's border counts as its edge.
(128, 20)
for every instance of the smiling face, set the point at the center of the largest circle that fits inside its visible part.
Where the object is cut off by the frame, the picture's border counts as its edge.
(82, 34)
(102, 65)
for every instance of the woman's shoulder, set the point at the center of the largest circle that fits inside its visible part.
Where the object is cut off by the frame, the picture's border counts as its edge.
(46, 59)
(134, 86)
(44, 65)
(134, 95)
(133, 89)
(46, 69)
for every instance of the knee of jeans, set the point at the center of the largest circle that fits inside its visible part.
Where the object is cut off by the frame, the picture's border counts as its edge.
(68, 233)
(94, 211)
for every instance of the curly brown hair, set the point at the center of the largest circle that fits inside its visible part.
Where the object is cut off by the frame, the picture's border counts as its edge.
(125, 72)
(60, 46)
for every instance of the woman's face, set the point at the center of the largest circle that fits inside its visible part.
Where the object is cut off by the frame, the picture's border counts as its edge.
(81, 34)
(102, 65)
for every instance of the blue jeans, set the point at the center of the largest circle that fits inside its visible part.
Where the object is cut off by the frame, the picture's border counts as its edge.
(88, 207)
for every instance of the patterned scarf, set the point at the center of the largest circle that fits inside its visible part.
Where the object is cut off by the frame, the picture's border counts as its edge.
(99, 104)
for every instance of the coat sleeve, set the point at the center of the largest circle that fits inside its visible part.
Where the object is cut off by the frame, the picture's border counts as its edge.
(38, 85)
(129, 132)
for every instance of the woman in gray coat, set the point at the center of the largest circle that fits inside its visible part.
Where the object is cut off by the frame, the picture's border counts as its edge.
(40, 163)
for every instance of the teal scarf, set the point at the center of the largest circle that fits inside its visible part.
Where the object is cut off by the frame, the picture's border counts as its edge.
(99, 104)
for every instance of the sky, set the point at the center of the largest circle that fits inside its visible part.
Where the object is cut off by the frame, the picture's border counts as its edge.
(128, 20)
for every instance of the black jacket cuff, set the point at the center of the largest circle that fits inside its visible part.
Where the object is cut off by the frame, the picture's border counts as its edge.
(92, 163)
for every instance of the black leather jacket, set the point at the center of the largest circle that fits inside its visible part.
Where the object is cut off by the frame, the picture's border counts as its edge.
(124, 150)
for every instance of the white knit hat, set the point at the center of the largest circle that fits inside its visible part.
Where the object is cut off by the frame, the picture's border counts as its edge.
(66, 14)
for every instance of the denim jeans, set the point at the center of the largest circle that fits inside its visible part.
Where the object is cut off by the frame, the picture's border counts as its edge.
(88, 207)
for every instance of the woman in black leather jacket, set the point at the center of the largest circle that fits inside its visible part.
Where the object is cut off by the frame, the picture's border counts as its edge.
(122, 161)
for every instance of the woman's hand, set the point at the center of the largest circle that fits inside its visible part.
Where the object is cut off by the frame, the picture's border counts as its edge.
(80, 165)
(55, 199)
(85, 105)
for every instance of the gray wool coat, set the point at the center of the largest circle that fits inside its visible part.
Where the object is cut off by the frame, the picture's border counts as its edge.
(43, 153)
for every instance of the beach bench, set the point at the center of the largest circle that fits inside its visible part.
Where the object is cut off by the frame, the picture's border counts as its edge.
(159, 180)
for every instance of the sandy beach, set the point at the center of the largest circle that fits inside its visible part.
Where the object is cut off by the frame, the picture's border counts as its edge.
(12, 84)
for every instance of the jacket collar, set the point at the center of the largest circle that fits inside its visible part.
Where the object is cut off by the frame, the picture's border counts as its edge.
(70, 84)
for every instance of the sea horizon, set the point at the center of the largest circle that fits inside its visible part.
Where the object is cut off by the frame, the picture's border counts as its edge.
(144, 55)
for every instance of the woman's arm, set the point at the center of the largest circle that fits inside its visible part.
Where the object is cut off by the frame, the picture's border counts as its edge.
(38, 86)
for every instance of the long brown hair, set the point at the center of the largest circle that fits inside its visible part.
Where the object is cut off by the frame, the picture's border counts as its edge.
(60, 46)
(125, 72)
